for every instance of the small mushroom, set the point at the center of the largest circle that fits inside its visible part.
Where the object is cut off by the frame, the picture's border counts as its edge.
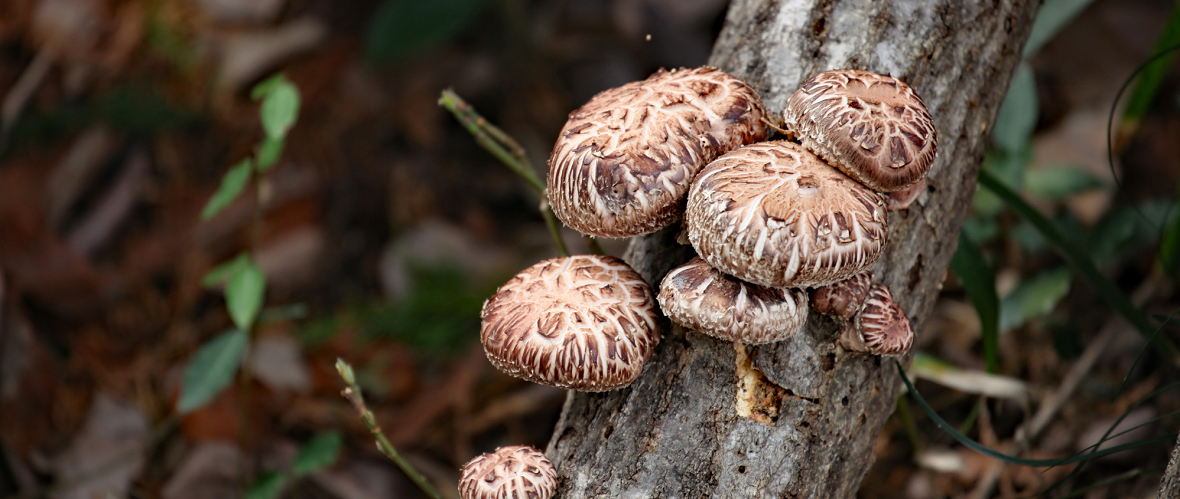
(624, 161)
(872, 127)
(512, 472)
(700, 297)
(900, 200)
(880, 327)
(584, 322)
(774, 215)
(843, 298)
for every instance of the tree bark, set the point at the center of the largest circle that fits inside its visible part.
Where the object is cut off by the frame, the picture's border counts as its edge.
(1170, 483)
(810, 412)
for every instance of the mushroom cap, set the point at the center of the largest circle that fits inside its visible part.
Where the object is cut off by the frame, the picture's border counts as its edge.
(881, 327)
(624, 161)
(700, 297)
(775, 215)
(512, 472)
(583, 322)
(843, 298)
(872, 127)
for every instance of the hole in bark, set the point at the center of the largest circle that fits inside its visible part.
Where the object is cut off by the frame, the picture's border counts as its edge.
(861, 420)
(805, 424)
(741, 469)
(916, 273)
(827, 362)
(566, 434)
(844, 401)
(606, 432)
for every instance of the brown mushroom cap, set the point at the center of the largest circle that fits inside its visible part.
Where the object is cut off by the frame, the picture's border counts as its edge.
(582, 322)
(624, 161)
(843, 298)
(775, 215)
(700, 297)
(872, 127)
(512, 472)
(881, 327)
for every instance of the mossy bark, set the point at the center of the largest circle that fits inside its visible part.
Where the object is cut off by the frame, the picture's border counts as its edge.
(809, 413)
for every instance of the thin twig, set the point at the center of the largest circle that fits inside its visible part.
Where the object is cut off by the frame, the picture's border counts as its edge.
(353, 394)
(508, 151)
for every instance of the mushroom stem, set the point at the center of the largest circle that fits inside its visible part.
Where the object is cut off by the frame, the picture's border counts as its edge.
(353, 394)
(508, 151)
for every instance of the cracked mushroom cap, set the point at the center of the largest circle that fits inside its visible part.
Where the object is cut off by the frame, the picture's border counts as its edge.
(700, 297)
(880, 327)
(843, 298)
(872, 127)
(581, 322)
(624, 161)
(775, 215)
(515, 472)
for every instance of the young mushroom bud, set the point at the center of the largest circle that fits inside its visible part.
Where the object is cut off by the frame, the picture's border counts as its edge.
(700, 297)
(880, 327)
(581, 322)
(872, 127)
(844, 298)
(516, 472)
(624, 161)
(774, 215)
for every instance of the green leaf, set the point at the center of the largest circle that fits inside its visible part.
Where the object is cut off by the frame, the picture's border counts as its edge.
(929, 367)
(231, 185)
(1018, 113)
(1053, 16)
(1034, 298)
(265, 87)
(1081, 262)
(403, 27)
(244, 294)
(211, 370)
(268, 152)
(980, 448)
(1059, 182)
(280, 107)
(1153, 74)
(267, 486)
(979, 282)
(1126, 231)
(221, 273)
(319, 453)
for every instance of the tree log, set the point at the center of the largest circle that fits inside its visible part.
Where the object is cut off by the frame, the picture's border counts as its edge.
(799, 418)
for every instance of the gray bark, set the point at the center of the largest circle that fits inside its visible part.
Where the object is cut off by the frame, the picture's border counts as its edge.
(1170, 483)
(813, 411)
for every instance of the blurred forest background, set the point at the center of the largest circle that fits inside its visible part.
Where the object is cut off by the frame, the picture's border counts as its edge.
(383, 227)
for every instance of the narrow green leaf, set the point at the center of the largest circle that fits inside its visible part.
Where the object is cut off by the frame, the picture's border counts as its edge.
(1034, 298)
(221, 273)
(1053, 16)
(267, 486)
(979, 282)
(211, 370)
(1018, 113)
(1081, 262)
(244, 294)
(279, 109)
(1059, 182)
(268, 152)
(980, 448)
(231, 185)
(321, 452)
(1153, 75)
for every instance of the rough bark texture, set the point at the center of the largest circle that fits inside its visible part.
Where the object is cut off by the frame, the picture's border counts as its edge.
(798, 418)
(1170, 483)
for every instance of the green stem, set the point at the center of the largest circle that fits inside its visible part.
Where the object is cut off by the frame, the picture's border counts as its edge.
(508, 151)
(1083, 264)
(353, 394)
(911, 428)
(595, 247)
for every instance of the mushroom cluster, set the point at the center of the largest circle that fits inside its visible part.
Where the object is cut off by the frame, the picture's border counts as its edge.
(767, 220)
